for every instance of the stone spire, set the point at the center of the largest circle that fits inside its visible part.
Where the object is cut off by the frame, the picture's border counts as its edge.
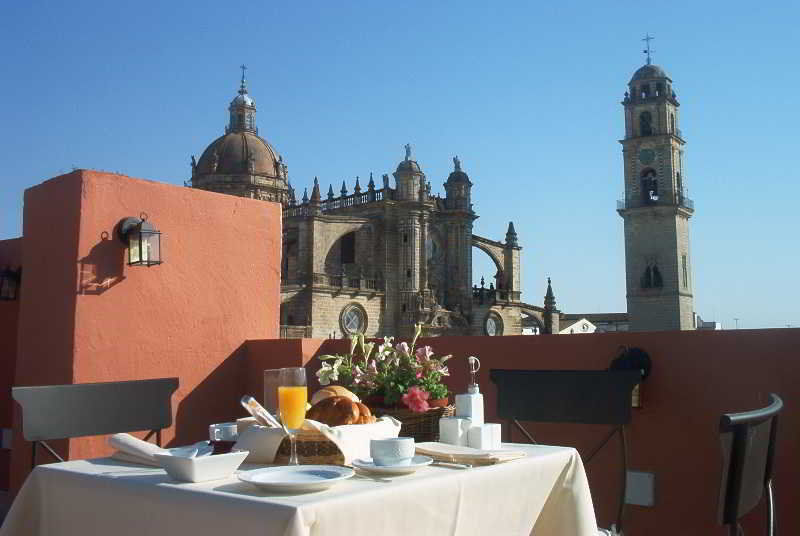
(511, 236)
(344, 189)
(315, 197)
(330, 191)
(305, 196)
(357, 188)
(371, 185)
(550, 311)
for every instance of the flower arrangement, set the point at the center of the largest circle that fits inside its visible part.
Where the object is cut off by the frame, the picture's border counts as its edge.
(396, 373)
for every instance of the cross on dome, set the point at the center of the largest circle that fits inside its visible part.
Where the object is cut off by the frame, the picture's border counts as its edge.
(647, 39)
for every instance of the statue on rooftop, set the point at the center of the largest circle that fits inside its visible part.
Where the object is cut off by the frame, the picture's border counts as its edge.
(457, 163)
(408, 151)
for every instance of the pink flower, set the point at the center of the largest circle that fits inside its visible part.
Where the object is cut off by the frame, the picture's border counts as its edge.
(403, 348)
(417, 399)
(372, 368)
(424, 354)
(419, 374)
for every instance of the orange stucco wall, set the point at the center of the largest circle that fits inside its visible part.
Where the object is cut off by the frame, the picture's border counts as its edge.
(88, 317)
(696, 377)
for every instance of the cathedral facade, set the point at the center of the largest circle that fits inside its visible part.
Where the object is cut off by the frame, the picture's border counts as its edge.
(377, 259)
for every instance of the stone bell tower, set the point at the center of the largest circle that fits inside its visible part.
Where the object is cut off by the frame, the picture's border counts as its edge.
(656, 209)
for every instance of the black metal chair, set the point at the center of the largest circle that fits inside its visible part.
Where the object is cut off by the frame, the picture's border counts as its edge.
(570, 396)
(748, 454)
(77, 410)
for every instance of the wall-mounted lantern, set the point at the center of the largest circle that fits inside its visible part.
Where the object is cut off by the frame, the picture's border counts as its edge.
(142, 239)
(9, 283)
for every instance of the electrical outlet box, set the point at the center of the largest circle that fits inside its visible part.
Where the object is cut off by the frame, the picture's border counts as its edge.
(640, 488)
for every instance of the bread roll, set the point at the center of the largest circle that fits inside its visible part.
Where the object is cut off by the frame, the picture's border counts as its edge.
(333, 390)
(339, 410)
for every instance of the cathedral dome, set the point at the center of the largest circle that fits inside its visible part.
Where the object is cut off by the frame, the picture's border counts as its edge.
(234, 151)
(649, 71)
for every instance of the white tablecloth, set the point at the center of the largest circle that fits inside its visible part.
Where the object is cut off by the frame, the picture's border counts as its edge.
(544, 494)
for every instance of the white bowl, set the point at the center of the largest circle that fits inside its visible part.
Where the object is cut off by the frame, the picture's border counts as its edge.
(203, 468)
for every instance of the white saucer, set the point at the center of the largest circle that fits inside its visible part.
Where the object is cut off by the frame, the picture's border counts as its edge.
(368, 466)
(296, 478)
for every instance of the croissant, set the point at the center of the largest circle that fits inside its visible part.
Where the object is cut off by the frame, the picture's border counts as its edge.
(339, 410)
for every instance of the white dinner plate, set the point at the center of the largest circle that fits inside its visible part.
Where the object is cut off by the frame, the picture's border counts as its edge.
(296, 478)
(368, 466)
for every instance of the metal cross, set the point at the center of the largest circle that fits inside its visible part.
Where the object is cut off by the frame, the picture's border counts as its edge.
(647, 50)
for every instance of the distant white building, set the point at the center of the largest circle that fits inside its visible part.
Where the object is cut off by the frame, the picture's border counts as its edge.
(581, 325)
(699, 323)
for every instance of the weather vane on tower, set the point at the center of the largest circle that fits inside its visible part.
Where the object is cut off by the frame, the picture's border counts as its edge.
(647, 50)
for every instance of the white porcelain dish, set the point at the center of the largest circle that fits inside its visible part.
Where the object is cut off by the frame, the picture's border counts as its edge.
(368, 466)
(203, 468)
(296, 478)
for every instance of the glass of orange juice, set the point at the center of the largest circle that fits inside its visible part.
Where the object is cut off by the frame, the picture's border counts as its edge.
(292, 398)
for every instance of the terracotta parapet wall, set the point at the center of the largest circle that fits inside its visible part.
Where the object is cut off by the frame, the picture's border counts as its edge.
(696, 377)
(86, 316)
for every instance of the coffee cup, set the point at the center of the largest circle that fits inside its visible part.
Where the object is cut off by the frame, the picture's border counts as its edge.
(223, 436)
(392, 451)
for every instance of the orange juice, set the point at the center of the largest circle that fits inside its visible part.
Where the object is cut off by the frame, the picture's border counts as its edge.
(292, 403)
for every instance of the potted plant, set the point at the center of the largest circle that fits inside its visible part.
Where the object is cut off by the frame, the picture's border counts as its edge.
(389, 375)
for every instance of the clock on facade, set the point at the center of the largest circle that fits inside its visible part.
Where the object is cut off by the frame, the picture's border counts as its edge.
(646, 156)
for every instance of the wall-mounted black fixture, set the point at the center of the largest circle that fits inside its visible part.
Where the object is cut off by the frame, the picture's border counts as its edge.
(9, 283)
(142, 239)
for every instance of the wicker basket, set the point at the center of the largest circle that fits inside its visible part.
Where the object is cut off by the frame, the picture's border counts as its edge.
(312, 448)
(420, 426)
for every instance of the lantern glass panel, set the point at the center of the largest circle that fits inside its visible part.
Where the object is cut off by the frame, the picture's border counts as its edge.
(151, 248)
(134, 247)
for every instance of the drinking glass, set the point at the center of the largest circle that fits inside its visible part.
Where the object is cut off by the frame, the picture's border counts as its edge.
(292, 398)
(272, 378)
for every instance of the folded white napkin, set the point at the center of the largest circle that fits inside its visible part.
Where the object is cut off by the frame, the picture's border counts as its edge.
(445, 452)
(133, 450)
(353, 439)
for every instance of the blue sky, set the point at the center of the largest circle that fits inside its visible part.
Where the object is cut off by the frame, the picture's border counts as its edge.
(526, 94)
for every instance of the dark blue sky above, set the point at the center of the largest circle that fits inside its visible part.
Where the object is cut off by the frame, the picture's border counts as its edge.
(527, 95)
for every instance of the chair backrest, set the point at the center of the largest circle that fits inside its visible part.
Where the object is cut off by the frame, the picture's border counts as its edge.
(748, 451)
(64, 411)
(572, 396)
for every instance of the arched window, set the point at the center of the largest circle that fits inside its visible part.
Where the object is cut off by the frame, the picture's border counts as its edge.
(649, 185)
(645, 91)
(658, 282)
(645, 124)
(659, 89)
(672, 123)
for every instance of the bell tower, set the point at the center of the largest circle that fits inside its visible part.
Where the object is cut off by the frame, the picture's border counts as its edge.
(655, 209)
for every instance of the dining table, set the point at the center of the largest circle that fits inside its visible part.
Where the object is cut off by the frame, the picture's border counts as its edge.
(544, 493)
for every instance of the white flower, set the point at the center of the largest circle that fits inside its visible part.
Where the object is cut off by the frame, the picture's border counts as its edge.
(328, 373)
